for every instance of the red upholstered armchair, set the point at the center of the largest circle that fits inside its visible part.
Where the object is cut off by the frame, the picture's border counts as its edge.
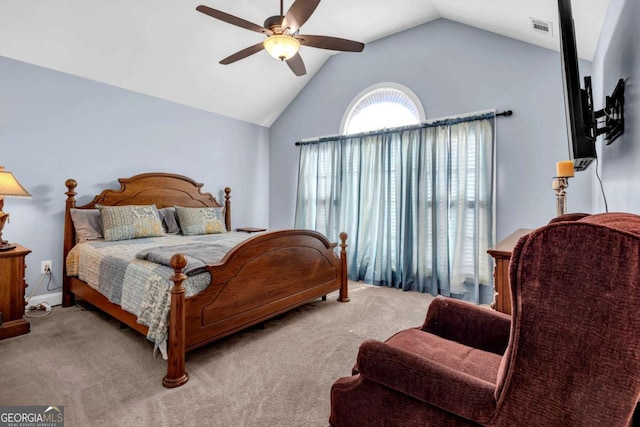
(568, 356)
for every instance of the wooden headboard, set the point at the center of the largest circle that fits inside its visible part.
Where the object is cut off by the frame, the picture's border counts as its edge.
(162, 189)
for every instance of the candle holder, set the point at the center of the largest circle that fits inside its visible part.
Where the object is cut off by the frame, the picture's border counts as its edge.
(560, 184)
(564, 171)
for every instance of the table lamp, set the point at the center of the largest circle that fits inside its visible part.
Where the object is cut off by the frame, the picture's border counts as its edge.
(9, 187)
(564, 171)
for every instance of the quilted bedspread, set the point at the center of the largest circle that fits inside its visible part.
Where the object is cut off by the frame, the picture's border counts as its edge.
(139, 286)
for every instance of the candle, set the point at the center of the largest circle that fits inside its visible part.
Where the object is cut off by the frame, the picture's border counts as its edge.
(564, 169)
(555, 184)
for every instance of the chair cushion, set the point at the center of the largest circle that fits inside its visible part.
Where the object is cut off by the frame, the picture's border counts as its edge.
(477, 363)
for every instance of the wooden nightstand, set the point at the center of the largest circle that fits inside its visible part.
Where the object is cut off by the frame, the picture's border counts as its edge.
(12, 285)
(501, 253)
(251, 229)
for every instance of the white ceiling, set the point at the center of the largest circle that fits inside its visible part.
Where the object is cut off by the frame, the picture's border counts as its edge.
(165, 48)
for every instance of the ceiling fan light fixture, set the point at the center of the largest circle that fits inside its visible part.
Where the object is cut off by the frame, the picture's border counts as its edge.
(281, 47)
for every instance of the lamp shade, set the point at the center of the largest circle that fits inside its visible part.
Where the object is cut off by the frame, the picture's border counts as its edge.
(281, 47)
(9, 185)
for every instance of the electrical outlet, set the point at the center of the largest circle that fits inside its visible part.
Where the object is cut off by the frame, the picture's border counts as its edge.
(45, 267)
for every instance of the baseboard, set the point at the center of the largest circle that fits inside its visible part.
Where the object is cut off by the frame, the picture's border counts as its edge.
(52, 299)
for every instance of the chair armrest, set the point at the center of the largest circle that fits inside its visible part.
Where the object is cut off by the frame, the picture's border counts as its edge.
(468, 324)
(428, 381)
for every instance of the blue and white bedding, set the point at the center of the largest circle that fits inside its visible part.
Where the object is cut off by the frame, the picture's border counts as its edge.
(142, 287)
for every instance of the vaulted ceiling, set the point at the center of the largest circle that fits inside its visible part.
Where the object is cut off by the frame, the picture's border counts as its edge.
(166, 49)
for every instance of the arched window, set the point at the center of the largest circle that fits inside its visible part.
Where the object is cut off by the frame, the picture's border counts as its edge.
(382, 106)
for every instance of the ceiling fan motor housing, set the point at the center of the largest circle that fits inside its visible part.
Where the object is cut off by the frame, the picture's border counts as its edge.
(274, 23)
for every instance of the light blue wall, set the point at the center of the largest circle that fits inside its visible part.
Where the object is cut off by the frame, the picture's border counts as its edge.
(54, 126)
(454, 69)
(618, 57)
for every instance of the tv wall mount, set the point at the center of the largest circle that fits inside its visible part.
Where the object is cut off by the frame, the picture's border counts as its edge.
(609, 121)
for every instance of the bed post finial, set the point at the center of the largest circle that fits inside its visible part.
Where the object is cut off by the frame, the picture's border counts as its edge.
(227, 208)
(344, 282)
(69, 240)
(71, 185)
(176, 372)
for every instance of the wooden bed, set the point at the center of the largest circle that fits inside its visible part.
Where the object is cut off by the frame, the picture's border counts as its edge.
(260, 278)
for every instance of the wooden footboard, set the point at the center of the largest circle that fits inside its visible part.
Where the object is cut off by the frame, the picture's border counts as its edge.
(264, 276)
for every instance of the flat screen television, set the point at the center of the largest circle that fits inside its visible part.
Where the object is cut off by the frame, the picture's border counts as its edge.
(581, 124)
(582, 121)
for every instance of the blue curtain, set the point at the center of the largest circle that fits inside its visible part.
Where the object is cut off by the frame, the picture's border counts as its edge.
(417, 203)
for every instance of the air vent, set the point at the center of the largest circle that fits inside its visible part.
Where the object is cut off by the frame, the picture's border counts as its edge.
(542, 27)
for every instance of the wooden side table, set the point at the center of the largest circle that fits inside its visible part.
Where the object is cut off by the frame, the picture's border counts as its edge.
(501, 254)
(12, 286)
(251, 229)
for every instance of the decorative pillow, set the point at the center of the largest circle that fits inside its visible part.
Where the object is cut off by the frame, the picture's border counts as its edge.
(130, 222)
(169, 221)
(200, 220)
(88, 224)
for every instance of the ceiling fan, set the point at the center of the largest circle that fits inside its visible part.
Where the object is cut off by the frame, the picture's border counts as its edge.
(283, 38)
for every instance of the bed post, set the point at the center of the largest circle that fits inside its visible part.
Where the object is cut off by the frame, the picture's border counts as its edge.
(176, 373)
(69, 241)
(227, 208)
(344, 283)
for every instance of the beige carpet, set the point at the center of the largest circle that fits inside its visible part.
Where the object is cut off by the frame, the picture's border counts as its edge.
(277, 376)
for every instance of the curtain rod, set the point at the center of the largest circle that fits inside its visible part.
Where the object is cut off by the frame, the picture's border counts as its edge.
(506, 113)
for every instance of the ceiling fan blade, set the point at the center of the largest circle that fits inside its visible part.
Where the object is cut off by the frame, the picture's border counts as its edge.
(298, 14)
(243, 54)
(234, 20)
(297, 65)
(332, 43)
